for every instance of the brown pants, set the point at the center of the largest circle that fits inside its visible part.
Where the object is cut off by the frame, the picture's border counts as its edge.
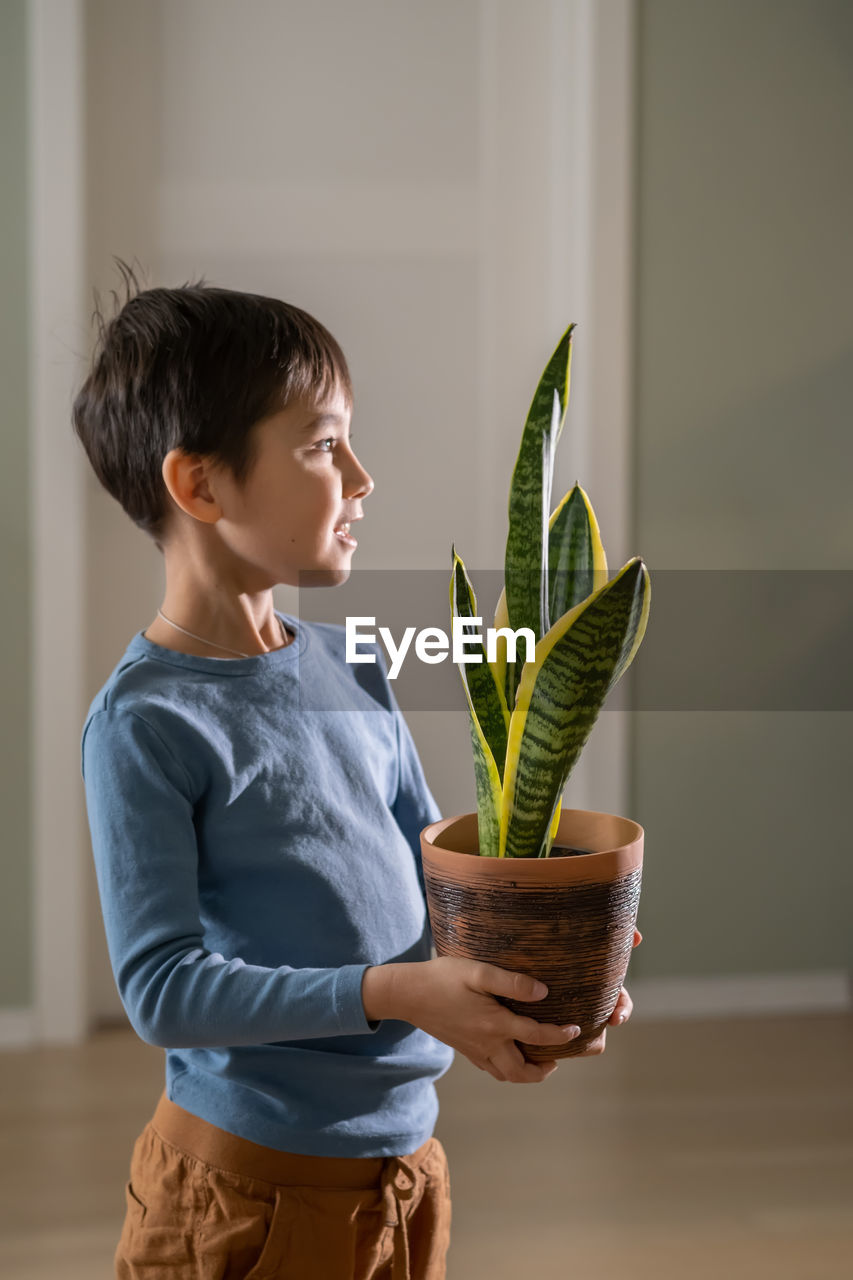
(203, 1204)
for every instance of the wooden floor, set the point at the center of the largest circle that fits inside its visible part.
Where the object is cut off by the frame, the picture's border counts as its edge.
(700, 1150)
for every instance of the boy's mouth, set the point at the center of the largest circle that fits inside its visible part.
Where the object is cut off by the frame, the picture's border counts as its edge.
(343, 534)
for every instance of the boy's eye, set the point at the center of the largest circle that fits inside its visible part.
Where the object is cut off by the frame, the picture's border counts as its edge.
(330, 440)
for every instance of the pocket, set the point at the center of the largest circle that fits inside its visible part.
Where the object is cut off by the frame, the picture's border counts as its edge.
(434, 1215)
(436, 1166)
(276, 1234)
(312, 1235)
(157, 1235)
(148, 1252)
(134, 1206)
(233, 1243)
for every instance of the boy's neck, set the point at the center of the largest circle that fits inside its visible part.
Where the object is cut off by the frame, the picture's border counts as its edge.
(245, 639)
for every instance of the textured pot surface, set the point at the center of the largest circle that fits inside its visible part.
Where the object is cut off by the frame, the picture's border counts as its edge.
(567, 921)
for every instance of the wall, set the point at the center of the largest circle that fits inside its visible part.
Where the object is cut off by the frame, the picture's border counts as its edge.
(15, 667)
(743, 457)
(743, 202)
(372, 164)
(320, 161)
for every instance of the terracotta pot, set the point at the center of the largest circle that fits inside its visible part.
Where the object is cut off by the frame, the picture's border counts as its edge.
(567, 920)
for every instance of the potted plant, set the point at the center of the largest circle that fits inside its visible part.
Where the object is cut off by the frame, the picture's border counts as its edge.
(522, 883)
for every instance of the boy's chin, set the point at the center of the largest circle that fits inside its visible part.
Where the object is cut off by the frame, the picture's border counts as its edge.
(324, 577)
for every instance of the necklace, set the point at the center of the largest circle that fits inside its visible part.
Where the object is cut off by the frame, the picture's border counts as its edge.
(192, 634)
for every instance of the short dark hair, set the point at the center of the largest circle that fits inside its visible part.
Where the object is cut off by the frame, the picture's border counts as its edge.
(193, 368)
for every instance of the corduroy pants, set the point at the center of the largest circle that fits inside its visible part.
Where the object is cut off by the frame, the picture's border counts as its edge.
(203, 1204)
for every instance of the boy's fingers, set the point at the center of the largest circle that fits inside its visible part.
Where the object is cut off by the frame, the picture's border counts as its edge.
(623, 1010)
(504, 982)
(638, 938)
(485, 1064)
(535, 1072)
(595, 1046)
(517, 1070)
(531, 1032)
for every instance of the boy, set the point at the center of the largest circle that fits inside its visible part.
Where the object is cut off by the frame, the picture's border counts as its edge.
(258, 864)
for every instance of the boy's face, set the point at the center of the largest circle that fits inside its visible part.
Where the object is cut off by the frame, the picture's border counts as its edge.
(305, 485)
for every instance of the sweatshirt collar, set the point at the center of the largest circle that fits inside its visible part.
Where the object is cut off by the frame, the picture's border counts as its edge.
(258, 664)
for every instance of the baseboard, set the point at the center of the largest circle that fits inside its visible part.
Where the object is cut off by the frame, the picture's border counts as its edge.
(17, 1028)
(747, 993)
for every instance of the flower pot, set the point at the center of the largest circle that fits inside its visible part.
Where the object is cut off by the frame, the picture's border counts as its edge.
(565, 920)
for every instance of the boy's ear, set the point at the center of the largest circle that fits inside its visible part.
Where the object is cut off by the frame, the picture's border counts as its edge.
(190, 481)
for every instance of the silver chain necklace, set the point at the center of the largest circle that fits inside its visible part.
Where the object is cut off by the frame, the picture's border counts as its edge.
(203, 640)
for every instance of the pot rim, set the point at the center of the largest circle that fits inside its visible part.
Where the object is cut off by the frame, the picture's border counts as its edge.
(451, 844)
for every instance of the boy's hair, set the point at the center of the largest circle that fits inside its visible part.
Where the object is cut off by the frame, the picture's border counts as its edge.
(193, 368)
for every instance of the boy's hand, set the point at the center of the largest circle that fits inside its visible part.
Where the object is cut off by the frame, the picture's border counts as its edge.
(453, 1000)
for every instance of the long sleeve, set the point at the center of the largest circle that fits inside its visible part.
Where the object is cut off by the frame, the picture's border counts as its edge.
(178, 993)
(254, 824)
(415, 806)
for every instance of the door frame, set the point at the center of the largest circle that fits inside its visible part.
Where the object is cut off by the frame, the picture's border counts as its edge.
(56, 270)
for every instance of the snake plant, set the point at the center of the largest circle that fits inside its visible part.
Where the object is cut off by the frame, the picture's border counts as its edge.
(530, 720)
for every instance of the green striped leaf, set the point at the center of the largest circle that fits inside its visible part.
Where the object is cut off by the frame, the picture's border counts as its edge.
(577, 565)
(559, 697)
(488, 718)
(486, 696)
(499, 665)
(502, 668)
(488, 786)
(555, 822)
(526, 561)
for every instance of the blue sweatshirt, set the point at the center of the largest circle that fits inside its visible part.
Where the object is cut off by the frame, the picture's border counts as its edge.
(254, 855)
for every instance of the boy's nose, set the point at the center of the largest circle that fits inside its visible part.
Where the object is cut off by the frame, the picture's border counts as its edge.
(360, 481)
